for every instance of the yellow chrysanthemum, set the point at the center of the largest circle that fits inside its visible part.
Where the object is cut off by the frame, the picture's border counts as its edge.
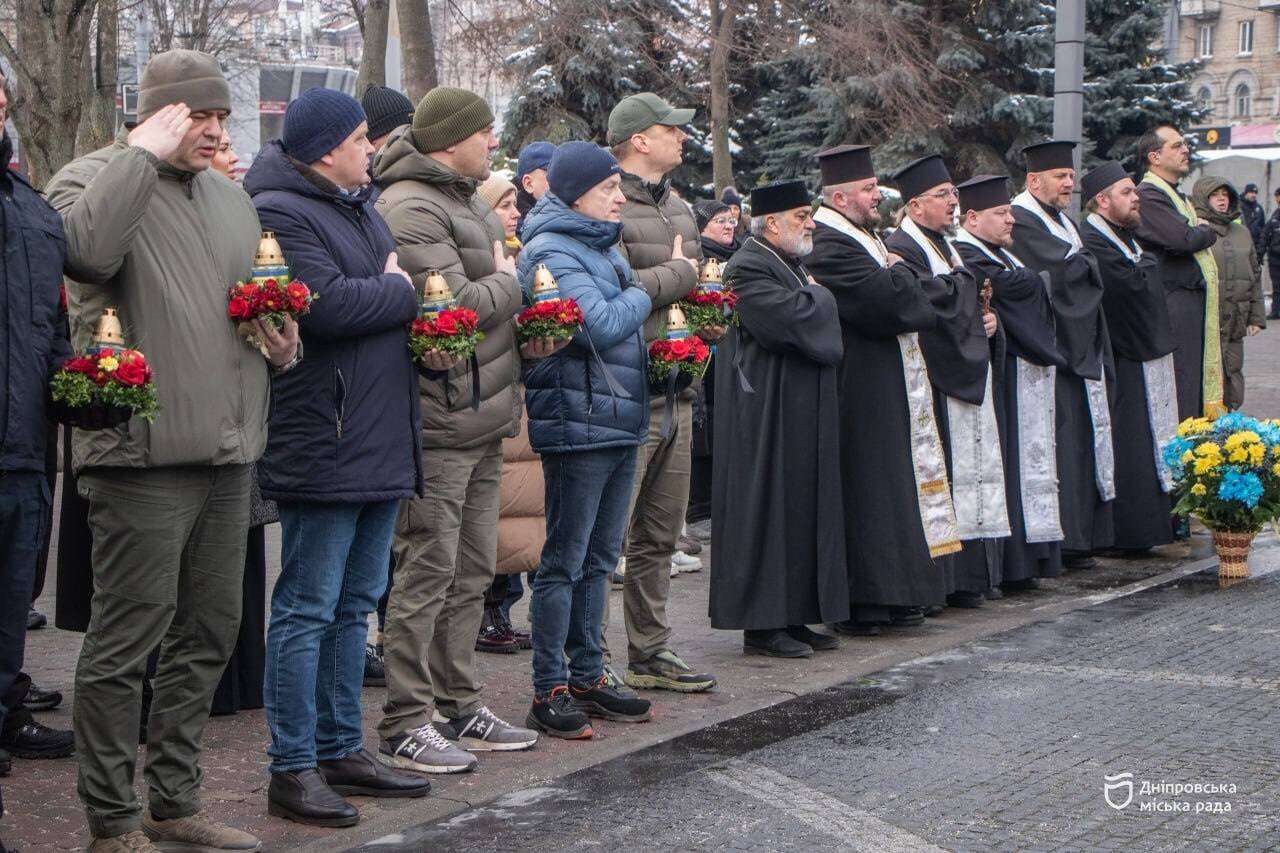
(1240, 454)
(1275, 469)
(1275, 450)
(1193, 426)
(1188, 458)
(1198, 489)
(1256, 454)
(1207, 464)
(109, 364)
(1240, 439)
(1208, 448)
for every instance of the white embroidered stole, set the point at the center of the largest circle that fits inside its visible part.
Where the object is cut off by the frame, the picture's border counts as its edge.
(933, 494)
(1158, 377)
(977, 466)
(1037, 431)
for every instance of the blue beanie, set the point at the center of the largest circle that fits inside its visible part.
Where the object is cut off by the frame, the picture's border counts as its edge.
(577, 167)
(317, 121)
(535, 155)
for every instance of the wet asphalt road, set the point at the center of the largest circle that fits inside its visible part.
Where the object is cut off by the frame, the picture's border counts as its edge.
(1001, 744)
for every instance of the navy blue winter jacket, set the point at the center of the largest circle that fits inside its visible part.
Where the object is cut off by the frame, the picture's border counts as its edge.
(344, 423)
(569, 402)
(33, 342)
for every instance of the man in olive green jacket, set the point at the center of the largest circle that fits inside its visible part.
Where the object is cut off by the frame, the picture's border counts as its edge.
(156, 235)
(446, 542)
(660, 239)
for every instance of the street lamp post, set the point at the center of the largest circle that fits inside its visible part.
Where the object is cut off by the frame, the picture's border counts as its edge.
(1068, 81)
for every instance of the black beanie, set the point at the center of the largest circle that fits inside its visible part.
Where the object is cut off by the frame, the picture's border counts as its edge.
(386, 109)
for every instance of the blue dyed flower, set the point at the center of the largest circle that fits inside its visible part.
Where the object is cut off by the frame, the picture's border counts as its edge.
(1173, 450)
(1243, 487)
(1268, 432)
(1234, 422)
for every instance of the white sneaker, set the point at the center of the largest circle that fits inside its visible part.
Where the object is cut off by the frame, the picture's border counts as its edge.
(684, 563)
(425, 750)
(619, 576)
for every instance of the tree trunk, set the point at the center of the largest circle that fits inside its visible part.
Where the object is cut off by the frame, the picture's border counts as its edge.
(373, 61)
(98, 124)
(723, 17)
(418, 47)
(48, 61)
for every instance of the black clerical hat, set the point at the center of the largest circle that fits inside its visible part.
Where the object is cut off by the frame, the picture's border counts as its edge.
(780, 196)
(1101, 177)
(845, 163)
(983, 191)
(920, 176)
(1054, 154)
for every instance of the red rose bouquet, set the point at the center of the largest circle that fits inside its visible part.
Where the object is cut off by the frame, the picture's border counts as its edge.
(107, 377)
(688, 356)
(271, 301)
(452, 330)
(552, 318)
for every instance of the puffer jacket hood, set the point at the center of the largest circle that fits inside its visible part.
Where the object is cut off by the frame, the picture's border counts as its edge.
(594, 393)
(1206, 187)
(439, 223)
(344, 422)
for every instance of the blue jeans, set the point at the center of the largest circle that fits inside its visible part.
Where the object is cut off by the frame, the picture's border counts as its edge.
(333, 569)
(587, 498)
(24, 501)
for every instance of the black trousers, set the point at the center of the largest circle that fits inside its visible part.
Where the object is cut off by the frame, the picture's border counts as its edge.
(1273, 267)
(24, 513)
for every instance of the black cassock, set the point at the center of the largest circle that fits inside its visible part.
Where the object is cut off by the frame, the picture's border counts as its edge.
(777, 509)
(1138, 324)
(958, 355)
(889, 562)
(1076, 294)
(1021, 301)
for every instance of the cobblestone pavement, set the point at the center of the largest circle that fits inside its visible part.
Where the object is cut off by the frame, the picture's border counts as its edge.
(1003, 743)
(43, 813)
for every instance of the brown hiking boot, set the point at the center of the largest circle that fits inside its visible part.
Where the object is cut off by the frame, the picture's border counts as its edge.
(198, 833)
(130, 842)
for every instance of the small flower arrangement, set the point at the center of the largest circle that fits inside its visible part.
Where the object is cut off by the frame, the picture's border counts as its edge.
(107, 377)
(708, 307)
(688, 356)
(557, 319)
(1226, 471)
(270, 301)
(451, 330)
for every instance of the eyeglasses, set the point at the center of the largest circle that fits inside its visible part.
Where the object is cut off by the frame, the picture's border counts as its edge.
(951, 192)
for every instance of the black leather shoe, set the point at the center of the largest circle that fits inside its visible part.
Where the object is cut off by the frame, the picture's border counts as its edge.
(812, 639)
(854, 628)
(906, 617)
(303, 796)
(36, 620)
(362, 775)
(1078, 560)
(965, 600)
(41, 700)
(775, 644)
(1021, 586)
(30, 739)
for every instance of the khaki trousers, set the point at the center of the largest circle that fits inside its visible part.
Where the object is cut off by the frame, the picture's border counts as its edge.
(168, 564)
(659, 497)
(445, 550)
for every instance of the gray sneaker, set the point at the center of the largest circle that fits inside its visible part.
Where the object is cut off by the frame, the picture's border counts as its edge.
(485, 731)
(425, 750)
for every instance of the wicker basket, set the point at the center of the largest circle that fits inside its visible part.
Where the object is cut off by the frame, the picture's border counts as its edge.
(1233, 553)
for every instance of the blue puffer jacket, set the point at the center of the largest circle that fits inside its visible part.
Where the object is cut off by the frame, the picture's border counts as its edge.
(344, 423)
(570, 405)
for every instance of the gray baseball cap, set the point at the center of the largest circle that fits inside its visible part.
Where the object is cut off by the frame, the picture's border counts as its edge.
(635, 113)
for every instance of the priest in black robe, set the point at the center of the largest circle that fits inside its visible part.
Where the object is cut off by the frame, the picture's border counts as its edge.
(777, 517)
(1047, 240)
(1171, 233)
(1020, 298)
(958, 353)
(1144, 397)
(897, 509)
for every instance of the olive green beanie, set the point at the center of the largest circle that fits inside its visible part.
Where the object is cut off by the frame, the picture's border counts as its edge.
(445, 116)
(182, 77)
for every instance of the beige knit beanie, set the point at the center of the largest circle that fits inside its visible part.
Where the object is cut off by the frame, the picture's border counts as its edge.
(494, 188)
